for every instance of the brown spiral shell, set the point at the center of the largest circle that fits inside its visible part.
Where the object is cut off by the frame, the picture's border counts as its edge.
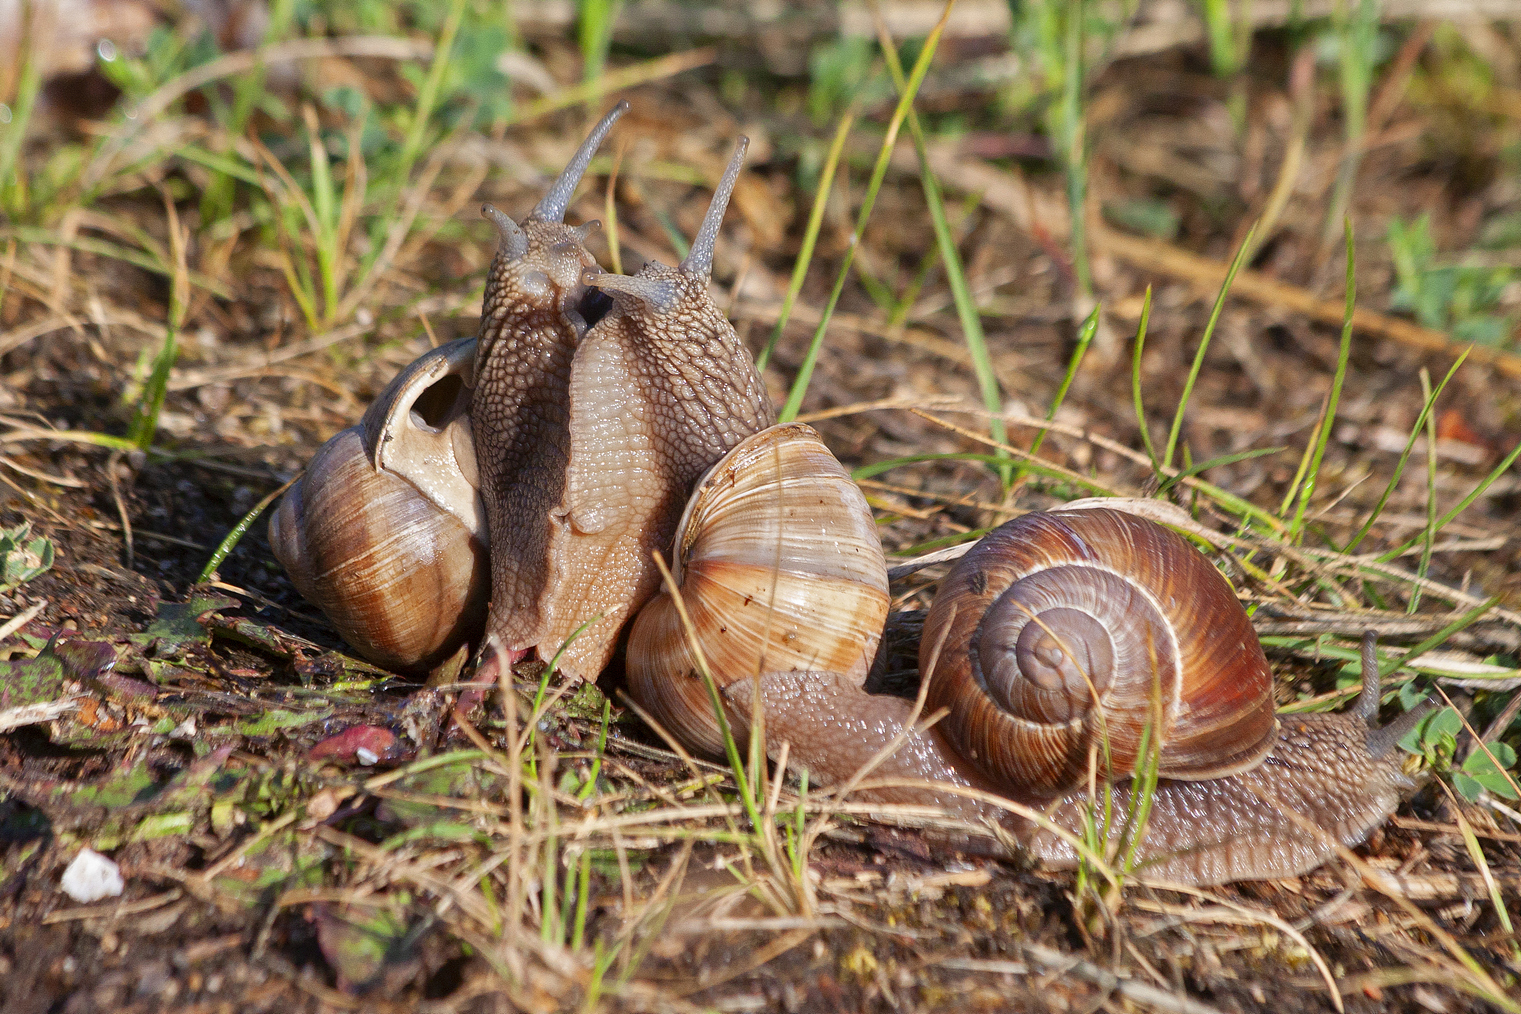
(1082, 627)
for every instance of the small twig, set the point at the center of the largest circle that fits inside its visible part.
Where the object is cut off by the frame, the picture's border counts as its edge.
(1106, 980)
(1165, 258)
(121, 508)
(114, 910)
(21, 619)
(929, 560)
(35, 714)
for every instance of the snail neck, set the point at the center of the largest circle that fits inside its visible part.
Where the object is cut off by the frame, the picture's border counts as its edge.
(835, 729)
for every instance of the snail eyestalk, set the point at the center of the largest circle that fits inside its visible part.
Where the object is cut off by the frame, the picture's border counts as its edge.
(699, 260)
(1368, 701)
(552, 207)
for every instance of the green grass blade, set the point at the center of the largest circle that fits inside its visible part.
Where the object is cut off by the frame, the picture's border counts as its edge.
(1044, 468)
(879, 172)
(673, 233)
(1209, 332)
(596, 766)
(876, 289)
(325, 204)
(583, 895)
(549, 671)
(1204, 466)
(1135, 380)
(950, 257)
(13, 184)
(715, 700)
(217, 198)
(594, 35)
(1437, 639)
(427, 99)
(1303, 470)
(1462, 505)
(1343, 355)
(1399, 468)
(1424, 564)
(810, 234)
(1075, 141)
(1084, 339)
(232, 538)
(145, 422)
(222, 165)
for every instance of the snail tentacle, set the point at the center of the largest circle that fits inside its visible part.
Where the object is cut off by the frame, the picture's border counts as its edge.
(554, 203)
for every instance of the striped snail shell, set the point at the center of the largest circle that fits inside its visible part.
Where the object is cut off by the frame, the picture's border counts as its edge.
(780, 569)
(385, 531)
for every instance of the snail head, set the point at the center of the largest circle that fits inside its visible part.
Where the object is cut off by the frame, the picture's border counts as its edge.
(542, 263)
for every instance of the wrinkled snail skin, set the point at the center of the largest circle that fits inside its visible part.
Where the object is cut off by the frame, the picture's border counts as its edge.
(531, 324)
(385, 531)
(1321, 770)
(660, 388)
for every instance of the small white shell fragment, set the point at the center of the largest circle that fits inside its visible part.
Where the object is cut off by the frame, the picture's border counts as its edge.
(91, 877)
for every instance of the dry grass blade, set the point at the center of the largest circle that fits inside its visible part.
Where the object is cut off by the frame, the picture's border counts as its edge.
(1168, 259)
(1237, 913)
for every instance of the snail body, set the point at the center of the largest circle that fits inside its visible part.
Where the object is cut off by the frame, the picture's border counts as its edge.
(658, 391)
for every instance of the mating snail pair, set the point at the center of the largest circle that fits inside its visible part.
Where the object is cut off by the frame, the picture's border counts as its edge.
(549, 458)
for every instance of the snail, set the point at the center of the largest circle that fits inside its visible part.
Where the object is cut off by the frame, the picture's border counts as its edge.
(1053, 644)
(780, 569)
(561, 446)
(650, 397)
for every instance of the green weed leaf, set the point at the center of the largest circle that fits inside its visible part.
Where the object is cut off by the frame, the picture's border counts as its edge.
(22, 558)
(1481, 770)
